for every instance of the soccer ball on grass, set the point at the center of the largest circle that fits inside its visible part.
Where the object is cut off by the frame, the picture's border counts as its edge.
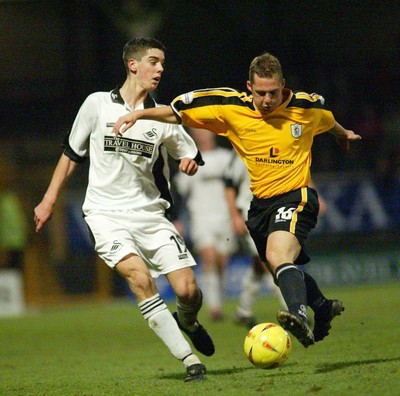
(267, 345)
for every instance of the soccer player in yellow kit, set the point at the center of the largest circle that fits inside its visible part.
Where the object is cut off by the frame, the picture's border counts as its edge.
(272, 130)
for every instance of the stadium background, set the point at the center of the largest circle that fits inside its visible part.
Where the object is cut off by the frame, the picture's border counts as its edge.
(54, 53)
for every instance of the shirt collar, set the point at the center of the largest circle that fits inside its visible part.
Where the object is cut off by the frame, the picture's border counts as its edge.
(116, 97)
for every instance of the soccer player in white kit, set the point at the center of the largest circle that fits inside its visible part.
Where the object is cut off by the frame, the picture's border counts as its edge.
(127, 196)
(210, 226)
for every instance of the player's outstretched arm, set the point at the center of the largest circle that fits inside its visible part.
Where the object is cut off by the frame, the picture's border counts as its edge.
(44, 210)
(343, 136)
(162, 114)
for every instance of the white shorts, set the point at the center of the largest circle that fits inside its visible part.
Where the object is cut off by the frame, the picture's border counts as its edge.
(148, 234)
(207, 232)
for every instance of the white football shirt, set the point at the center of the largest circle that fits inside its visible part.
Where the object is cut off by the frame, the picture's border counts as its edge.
(131, 171)
(210, 221)
(204, 191)
(237, 177)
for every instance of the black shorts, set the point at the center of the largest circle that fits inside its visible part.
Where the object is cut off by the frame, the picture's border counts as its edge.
(295, 212)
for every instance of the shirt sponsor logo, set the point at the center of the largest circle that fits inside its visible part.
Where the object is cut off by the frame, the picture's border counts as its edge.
(273, 152)
(273, 162)
(128, 146)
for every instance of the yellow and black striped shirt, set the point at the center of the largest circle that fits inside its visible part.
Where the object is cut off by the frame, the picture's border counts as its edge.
(276, 148)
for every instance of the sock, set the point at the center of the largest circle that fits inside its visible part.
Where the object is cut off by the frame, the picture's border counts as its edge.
(191, 359)
(293, 289)
(251, 287)
(212, 288)
(315, 298)
(187, 313)
(160, 320)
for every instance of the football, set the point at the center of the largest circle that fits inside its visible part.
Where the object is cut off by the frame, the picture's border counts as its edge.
(267, 345)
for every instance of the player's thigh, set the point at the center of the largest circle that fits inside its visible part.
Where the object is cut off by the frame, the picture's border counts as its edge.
(112, 239)
(282, 247)
(135, 271)
(162, 247)
(208, 257)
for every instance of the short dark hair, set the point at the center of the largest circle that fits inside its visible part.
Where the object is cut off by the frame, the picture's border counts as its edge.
(137, 48)
(265, 65)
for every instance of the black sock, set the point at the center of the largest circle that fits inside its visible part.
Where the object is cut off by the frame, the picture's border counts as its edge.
(187, 313)
(293, 289)
(315, 298)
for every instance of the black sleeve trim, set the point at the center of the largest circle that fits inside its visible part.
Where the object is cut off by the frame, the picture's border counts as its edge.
(71, 153)
(228, 182)
(199, 159)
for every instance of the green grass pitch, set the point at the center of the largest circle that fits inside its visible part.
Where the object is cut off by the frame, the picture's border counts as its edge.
(107, 349)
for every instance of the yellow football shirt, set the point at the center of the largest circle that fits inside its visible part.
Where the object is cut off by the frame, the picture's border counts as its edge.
(276, 148)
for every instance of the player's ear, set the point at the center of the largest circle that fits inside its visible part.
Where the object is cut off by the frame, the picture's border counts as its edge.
(248, 84)
(283, 82)
(132, 65)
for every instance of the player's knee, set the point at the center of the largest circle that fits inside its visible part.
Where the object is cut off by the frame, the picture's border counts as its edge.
(273, 259)
(194, 300)
(140, 283)
(187, 290)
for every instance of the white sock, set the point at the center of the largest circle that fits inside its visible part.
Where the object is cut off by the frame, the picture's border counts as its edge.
(269, 280)
(251, 288)
(212, 289)
(191, 359)
(162, 322)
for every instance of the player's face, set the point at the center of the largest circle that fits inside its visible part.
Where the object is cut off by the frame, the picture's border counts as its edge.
(267, 93)
(150, 68)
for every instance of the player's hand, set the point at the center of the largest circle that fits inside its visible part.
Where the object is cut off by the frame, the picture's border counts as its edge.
(238, 224)
(188, 166)
(43, 213)
(344, 142)
(124, 123)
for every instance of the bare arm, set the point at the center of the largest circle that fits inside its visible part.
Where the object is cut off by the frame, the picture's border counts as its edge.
(162, 114)
(343, 136)
(44, 210)
(238, 223)
(322, 203)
